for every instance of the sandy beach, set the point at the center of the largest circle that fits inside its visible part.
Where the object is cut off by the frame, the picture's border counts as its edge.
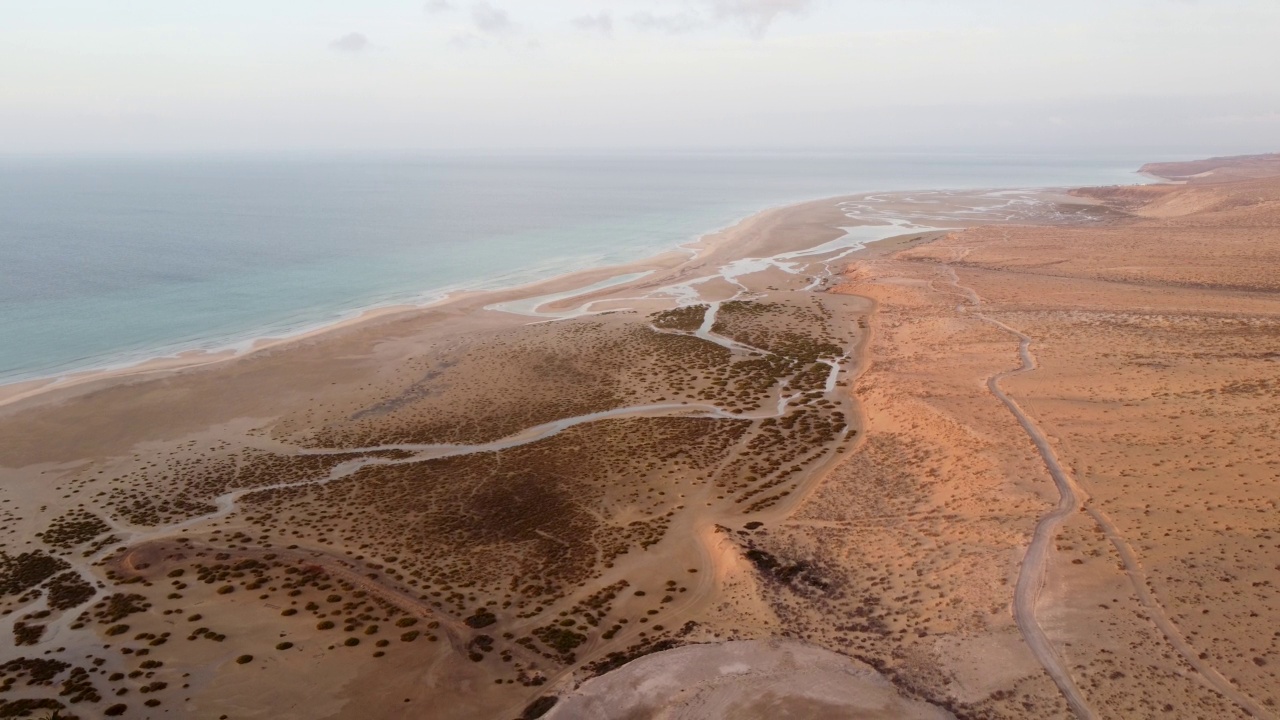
(785, 431)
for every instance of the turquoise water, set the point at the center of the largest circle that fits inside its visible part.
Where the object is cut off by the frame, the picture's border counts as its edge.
(108, 262)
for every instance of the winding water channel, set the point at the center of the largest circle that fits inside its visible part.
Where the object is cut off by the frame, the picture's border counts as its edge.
(59, 640)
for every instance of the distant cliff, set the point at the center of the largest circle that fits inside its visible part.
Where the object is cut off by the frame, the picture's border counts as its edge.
(1238, 167)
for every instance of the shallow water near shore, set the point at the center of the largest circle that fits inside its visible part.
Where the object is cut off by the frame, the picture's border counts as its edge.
(110, 262)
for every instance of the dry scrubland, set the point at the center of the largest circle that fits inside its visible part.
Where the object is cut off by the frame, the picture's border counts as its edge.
(524, 560)
(455, 521)
(461, 514)
(1157, 339)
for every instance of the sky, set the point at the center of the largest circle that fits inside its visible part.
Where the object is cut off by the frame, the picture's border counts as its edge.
(252, 76)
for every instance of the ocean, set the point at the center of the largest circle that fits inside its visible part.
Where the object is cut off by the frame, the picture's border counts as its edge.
(109, 262)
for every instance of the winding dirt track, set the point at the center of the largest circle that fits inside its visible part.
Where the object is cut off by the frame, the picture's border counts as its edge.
(1070, 499)
(1031, 574)
(1157, 615)
(1073, 498)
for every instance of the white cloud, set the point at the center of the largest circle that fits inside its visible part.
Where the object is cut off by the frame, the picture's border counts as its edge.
(600, 22)
(679, 73)
(490, 19)
(467, 41)
(351, 43)
(757, 15)
(670, 24)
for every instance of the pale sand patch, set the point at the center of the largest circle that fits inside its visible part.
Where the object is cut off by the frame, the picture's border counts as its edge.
(746, 680)
(774, 279)
(983, 664)
(716, 289)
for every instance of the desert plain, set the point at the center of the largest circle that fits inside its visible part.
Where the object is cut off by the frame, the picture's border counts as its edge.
(1020, 459)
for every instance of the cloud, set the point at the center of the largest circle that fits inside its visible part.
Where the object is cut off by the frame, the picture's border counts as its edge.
(351, 43)
(602, 22)
(466, 41)
(490, 19)
(670, 24)
(757, 15)
(437, 6)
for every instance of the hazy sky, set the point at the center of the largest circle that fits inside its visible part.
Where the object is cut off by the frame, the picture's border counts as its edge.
(302, 75)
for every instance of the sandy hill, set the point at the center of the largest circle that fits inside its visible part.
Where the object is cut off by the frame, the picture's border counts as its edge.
(1218, 169)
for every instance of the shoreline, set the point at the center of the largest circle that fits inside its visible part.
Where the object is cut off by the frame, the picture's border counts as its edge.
(867, 422)
(567, 282)
(25, 388)
(558, 290)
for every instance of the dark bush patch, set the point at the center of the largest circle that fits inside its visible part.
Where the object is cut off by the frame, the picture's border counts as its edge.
(68, 590)
(19, 573)
(482, 618)
(539, 707)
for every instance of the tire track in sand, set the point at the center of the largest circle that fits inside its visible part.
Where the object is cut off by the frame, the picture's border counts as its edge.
(1031, 574)
(1074, 498)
